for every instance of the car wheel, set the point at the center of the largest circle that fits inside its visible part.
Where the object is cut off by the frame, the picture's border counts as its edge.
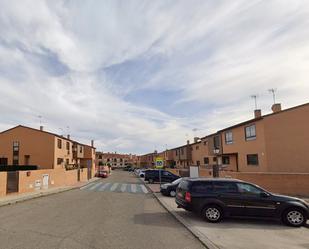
(172, 193)
(212, 213)
(294, 217)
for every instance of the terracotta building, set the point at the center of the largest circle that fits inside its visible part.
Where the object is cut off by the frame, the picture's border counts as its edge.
(116, 160)
(276, 142)
(23, 145)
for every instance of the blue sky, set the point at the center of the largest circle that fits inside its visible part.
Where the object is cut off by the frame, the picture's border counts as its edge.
(136, 75)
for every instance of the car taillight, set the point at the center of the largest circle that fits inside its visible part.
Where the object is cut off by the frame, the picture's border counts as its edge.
(188, 197)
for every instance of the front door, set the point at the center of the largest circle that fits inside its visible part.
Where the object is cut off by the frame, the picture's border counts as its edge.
(12, 181)
(256, 204)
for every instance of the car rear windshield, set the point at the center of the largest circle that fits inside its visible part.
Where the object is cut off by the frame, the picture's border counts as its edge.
(184, 185)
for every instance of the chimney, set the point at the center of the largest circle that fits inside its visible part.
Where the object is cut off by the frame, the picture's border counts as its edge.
(276, 108)
(92, 143)
(188, 141)
(257, 113)
(196, 139)
(41, 128)
(69, 137)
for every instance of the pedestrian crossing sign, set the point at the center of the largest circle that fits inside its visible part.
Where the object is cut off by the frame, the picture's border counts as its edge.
(159, 162)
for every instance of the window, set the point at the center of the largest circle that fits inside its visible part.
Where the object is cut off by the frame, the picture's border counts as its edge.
(225, 160)
(245, 188)
(176, 152)
(67, 161)
(253, 159)
(182, 152)
(214, 159)
(198, 163)
(100, 156)
(59, 161)
(15, 153)
(68, 146)
(59, 143)
(225, 187)
(250, 132)
(216, 142)
(205, 142)
(202, 187)
(81, 149)
(197, 147)
(206, 160)
(228, 137)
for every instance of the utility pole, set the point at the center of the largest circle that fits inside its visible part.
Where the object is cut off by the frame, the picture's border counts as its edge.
(273, 92)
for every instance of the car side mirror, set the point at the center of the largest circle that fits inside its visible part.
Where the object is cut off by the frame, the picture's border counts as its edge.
(264, 194)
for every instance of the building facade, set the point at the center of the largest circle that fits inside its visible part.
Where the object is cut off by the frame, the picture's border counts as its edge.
(116, 160)
(276, 142)
(23, 145)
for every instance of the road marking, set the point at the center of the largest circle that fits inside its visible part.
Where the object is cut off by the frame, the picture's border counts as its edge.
(144, 189)
(133, 188)
(87, 186)
(104, 186)
(115, 185)
(95, 186)
(123, 187)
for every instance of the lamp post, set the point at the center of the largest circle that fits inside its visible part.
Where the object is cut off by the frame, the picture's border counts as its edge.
(215, 168)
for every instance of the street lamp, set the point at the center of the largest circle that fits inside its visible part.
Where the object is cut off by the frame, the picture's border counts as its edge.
(215, 168)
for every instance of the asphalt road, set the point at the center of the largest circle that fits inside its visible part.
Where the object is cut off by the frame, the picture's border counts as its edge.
(117, 215)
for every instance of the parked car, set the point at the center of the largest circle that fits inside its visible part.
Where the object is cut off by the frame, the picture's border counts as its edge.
(169, 189)
(102, 173)
(141, 173)
(217, 198)
(153, 176)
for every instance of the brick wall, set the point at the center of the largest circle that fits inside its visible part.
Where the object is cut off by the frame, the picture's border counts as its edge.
(283, 183)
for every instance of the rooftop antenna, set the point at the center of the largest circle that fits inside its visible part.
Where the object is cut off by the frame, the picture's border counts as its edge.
(40, 119)
(273, 92)
(255, 96)
(68, 130)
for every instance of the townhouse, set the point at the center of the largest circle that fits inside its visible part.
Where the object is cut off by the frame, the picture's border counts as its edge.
(22, 145)
(115, 160)
(276, 142)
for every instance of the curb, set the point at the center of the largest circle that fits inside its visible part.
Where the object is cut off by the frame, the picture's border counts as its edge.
(42, 194)
(197, 234)
(201, 237)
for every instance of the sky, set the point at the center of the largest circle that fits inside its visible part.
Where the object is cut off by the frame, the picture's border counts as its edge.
(138, 76)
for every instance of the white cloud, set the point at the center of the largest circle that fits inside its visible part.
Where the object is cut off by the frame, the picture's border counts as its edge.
(54, 57)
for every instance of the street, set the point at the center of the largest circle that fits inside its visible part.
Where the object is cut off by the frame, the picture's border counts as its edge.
(117, 212)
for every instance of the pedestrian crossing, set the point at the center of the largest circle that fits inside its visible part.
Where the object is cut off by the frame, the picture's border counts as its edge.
(116, 187)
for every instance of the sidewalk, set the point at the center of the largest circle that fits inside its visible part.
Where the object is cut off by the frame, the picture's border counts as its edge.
(238, 233)
(15, 198)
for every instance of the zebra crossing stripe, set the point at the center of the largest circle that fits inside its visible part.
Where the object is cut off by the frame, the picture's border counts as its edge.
(133, 188)
(123, 187)
(104, 186)
(114, 187)
(87, 186)
(144, 189)
(95, 186)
